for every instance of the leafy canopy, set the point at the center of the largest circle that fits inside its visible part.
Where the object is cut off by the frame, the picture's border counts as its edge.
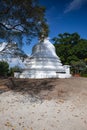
(19, 18)
(72, 50)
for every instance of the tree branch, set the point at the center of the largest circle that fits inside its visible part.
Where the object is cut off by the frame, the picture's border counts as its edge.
(14, 28)
(1, 24)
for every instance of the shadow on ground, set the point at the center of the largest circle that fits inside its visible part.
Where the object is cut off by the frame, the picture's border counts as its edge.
(44, 88)
(3, 85)
(30, 86)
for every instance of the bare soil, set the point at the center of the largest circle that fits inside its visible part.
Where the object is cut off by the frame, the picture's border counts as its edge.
(45, 88)
(43, 104)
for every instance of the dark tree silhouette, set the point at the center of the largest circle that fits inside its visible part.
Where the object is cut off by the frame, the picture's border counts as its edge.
(20, 18)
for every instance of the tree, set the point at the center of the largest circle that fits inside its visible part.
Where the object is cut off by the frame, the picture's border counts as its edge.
(80, 50)
(4, 68)
(19, 18)
(67, 38)
(78, 66)
(63, 51)
(70, 47)
(72, 50)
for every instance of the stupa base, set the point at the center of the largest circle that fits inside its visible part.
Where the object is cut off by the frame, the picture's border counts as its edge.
(41, 75)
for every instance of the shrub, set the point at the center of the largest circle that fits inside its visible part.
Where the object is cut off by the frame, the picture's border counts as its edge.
(4, 68)
(14, 69)
(84, 75)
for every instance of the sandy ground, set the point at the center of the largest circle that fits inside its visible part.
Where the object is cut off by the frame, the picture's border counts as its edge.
(49, 104)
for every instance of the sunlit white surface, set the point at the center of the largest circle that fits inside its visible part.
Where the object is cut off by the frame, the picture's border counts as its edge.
(44, 63)
(2, 45)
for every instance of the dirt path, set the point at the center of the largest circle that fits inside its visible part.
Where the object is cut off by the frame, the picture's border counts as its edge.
(59, 104)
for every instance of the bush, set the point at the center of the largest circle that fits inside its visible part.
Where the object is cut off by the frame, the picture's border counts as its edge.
(4, 68)
(14, 69)
(84, 75)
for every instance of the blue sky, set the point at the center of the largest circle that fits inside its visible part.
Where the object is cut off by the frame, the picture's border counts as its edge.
(65, 16)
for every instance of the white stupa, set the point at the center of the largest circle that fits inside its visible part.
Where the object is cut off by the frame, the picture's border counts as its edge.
(44, 63)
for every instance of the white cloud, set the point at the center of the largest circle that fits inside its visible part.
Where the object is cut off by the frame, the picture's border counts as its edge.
(74, 4)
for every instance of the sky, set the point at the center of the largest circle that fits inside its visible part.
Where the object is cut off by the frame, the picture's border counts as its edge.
(65, 16)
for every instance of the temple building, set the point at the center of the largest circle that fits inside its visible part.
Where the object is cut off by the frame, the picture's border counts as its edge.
(44, 63)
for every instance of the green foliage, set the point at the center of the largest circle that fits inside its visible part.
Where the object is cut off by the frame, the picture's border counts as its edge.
(84, 75)
(67, 38)
(14, 69)
(72, 50)
(20, 18)
(4, 68)
(6, 71)
(78, 67)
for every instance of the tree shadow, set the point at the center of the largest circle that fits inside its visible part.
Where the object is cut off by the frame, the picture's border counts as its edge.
(30, 86)
(3, 85)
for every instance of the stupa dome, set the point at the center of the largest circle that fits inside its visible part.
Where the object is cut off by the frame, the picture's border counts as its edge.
(44, 49)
